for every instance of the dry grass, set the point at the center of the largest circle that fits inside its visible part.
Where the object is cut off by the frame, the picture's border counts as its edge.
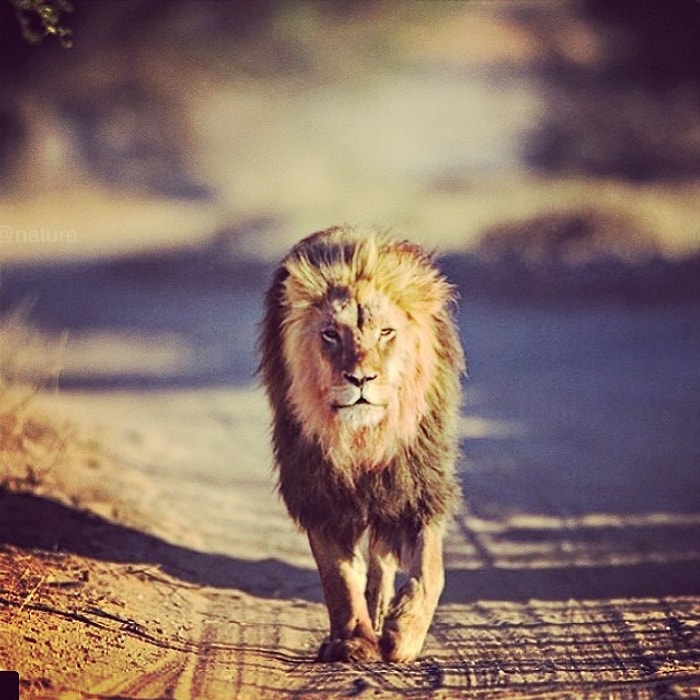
(30, 440)
(27, 357)
(42, 452)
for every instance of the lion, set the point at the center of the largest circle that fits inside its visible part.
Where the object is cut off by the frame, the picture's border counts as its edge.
(361, 362)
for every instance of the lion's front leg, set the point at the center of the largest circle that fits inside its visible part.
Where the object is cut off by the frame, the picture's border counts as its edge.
(380, 580)
(412, 610)
(343, 576)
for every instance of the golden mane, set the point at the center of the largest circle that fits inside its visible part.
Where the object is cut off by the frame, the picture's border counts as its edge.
(343, 257)
(314, 268)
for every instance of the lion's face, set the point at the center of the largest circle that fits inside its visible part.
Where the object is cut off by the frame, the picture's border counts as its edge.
(358, 341)
(353, 364)
(360, 356)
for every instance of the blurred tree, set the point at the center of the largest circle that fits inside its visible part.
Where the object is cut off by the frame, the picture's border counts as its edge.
(632, 111)
(114, 107)
(658, 43)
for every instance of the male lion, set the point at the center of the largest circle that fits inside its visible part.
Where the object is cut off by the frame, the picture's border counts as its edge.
(361, 362)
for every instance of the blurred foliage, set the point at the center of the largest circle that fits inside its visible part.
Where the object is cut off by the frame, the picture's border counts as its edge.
(633, 110)
(628, 108)
(657, 44)
(42, 18)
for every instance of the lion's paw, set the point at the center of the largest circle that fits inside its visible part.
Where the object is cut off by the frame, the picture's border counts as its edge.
(353, 650)
(406, 625)
(400, 647)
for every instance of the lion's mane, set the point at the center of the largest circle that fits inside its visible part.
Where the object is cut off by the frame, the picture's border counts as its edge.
(411, 484)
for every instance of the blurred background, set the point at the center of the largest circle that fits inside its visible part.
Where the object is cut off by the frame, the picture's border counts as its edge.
(154, 172)
(258, 117)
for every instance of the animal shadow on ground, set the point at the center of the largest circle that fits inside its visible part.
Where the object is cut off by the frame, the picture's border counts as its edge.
(35, 523)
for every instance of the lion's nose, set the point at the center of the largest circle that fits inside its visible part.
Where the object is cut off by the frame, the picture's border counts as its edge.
(358, 379)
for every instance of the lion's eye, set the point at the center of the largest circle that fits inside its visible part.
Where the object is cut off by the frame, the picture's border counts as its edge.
(330, 335)
(387, 333)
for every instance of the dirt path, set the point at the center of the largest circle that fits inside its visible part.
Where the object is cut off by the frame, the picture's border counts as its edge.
(129, 631)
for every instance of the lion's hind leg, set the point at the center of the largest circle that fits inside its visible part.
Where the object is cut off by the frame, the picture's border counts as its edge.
(343, 577)
(411, 612)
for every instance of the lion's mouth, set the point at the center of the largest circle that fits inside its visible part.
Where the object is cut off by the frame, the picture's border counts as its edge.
(362, 401)
(359, 414)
